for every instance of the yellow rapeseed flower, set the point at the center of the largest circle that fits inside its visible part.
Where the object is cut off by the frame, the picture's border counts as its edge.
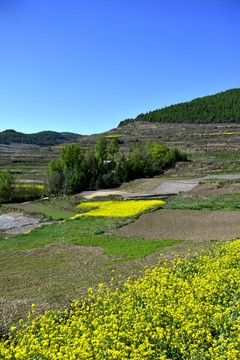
(117, 208)
(187, 311)
(212, 134)
(30, 186)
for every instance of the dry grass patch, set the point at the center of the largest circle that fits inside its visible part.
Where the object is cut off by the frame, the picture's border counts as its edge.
(49, 276)
(140, 185)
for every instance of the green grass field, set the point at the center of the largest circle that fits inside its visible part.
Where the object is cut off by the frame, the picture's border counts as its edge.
(208, 202)
(85, 231)
(56, 214)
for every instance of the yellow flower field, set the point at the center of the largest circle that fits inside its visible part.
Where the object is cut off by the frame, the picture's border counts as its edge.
(188, 311)
(113, 136)
(212, 134)
(117, 208)
(29, 186)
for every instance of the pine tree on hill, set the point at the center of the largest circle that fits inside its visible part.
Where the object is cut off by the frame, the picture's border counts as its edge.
(218, 108)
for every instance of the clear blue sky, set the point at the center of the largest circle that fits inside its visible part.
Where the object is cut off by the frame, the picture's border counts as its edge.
(83, 66)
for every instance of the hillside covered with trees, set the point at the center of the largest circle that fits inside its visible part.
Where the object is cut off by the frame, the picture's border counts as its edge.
(43, 138)
(223, 107)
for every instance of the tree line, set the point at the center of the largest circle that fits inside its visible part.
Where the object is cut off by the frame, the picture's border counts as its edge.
(104, 166)
(218, 108)
(101, 166)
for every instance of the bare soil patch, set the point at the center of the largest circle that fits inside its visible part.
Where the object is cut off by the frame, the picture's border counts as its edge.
(210, 189)
(214, 189)
(15, 215)
(32, 207)
(207, 186)
(102, 193)
(193, 225)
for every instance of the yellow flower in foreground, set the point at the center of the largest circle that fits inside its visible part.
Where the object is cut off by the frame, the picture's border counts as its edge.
(117, 208)
(187, 311)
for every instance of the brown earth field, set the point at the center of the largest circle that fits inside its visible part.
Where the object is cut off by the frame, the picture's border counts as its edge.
(212, 189)
(208, 189)
(197, 228)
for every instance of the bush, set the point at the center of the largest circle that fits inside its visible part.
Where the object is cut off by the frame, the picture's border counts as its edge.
(107, 181)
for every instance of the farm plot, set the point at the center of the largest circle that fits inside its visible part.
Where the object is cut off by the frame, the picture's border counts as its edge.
(51, 211)
(55, 264)
(195, 227)
(58, 263)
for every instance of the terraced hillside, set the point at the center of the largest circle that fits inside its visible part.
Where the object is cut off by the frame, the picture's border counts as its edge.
(207, 129)
(211, 147)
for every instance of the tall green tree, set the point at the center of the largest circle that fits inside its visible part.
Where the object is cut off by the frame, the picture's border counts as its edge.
(6, 189)
(113, 148)
(55, 176)
(72, 157)
(101, 149)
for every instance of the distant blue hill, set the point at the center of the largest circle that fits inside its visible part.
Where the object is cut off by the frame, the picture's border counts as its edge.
(43, 138)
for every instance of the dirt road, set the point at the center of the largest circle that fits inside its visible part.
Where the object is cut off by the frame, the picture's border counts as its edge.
(166, 188)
